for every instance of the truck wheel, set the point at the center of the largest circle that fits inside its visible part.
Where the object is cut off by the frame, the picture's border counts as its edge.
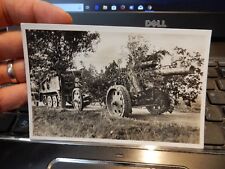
(118, 101)
(36, 103)
(61, 100)
(49, 101)
(55, 102)
(77, 100)
(44, 100)
(160, 104)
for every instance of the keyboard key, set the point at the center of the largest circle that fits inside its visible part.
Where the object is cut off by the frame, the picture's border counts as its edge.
(22, 124)
(212, 72)
(214, 113)
(214, 134)
(221, 84)
(216, 97)
(212, 63)
(221, 63)
(3, 30)
(6, 121)
(23, 109)
(211, 85)
(222, 71)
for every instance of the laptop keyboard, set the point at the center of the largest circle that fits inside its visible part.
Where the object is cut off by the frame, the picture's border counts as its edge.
(15, 124)
(215, 109)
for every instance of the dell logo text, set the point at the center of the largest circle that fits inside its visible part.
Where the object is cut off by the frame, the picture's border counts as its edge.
(155, 23)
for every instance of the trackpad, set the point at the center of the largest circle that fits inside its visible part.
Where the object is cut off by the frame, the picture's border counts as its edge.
(66, 163)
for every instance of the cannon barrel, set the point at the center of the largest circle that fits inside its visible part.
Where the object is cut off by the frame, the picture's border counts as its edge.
(165, 71)
(146, 64)
(175, 71)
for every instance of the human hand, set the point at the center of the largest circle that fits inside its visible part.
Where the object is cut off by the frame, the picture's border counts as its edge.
(13, 12)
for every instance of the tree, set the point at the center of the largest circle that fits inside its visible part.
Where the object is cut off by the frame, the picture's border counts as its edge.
(187, 86)
(142, 63)
(143, 68)
(51, 51)
(97, 83)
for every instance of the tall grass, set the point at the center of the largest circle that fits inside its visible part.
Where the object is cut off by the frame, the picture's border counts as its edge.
(99, 124)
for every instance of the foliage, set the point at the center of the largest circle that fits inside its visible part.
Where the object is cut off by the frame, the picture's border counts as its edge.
(94, 84)
(51, 52)
(97, 84)
(187, 87)
(142, 73)
(142, 64)
(146, 65)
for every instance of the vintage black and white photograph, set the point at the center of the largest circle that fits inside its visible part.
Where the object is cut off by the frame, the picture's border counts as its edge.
(116, 84)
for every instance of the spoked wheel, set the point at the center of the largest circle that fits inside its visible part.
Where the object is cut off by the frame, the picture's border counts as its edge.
(77, 100)
(49, 101)
(55, 102)
(160, 103)
(118, 101)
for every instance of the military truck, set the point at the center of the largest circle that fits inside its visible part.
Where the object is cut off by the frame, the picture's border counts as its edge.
(120, 99)
(59, 91)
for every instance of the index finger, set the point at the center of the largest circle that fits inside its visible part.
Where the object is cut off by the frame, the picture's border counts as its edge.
(13, 12)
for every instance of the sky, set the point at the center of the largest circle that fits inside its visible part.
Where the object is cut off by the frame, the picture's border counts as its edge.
(112, 46)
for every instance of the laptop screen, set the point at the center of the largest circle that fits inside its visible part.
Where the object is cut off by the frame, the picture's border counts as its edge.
(141, 5)
(185, 14)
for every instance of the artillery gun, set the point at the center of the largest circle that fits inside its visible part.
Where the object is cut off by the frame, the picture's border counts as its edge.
(56, 91)
(143, 92)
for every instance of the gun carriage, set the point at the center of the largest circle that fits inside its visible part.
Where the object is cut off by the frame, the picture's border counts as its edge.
(143, 92)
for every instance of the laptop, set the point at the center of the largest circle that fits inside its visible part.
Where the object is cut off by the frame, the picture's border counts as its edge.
(18, 151)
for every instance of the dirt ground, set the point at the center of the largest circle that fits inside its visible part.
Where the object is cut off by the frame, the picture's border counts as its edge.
(95, 122)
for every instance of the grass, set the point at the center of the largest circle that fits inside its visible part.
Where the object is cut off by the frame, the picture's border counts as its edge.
(99, 124)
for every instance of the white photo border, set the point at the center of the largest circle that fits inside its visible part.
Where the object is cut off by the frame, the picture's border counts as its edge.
(114, 142)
